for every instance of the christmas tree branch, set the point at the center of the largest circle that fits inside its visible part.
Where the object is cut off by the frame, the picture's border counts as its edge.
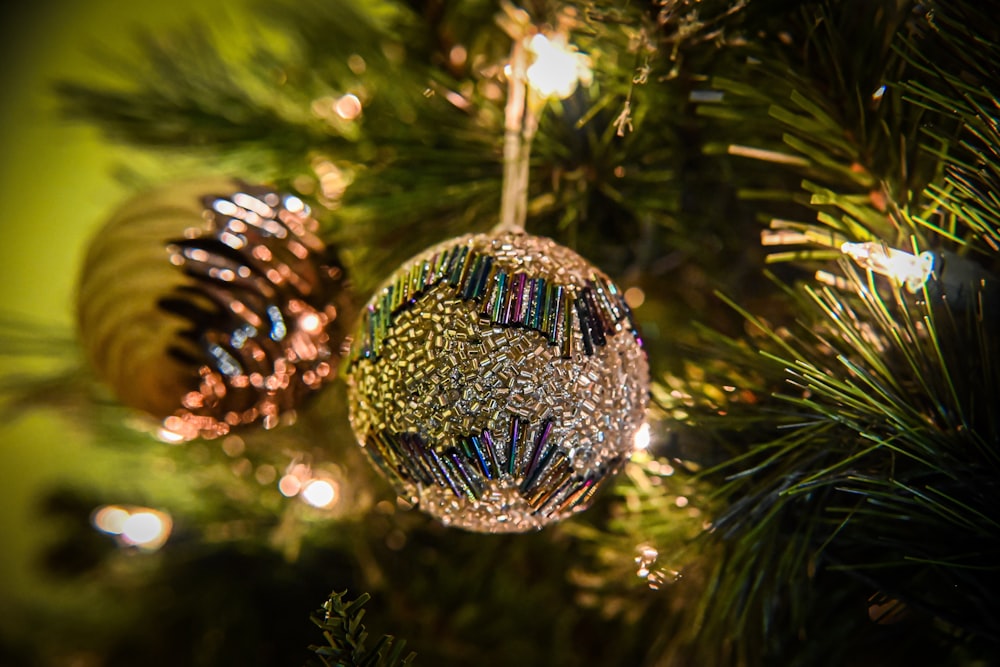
(873, 392)
(883, 432)
(345, 634)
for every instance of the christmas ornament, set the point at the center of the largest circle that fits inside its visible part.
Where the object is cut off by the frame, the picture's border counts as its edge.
(498, 381)
(212, 305)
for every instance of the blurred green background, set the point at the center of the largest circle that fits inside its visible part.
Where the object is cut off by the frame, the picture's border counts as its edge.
(56, 185)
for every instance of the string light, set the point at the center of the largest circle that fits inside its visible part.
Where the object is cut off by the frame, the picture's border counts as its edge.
(946, 276)
(557, 68)
(906, 269)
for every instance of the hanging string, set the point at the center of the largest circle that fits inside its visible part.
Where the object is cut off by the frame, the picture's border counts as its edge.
(520, 124)
(554, 70)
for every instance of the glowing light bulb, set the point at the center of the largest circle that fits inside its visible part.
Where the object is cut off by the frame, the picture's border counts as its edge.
(319, 493)
(557, 68)
(906, 269)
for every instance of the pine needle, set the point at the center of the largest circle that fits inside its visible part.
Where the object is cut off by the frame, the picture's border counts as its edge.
(345, 634)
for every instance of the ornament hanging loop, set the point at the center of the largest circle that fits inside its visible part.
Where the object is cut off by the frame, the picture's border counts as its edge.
(520, 123)
(539, 68)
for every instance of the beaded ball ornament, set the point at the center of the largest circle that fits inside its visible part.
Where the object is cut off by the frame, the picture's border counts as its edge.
(212, 305)
(498, 380)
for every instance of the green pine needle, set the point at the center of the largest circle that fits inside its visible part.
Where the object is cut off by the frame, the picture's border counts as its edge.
(345, 634)
(881, 459)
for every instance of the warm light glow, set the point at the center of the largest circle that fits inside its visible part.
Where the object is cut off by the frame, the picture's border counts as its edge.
(289, 485)
(642, 438)
(173, 431)
(141, 527)
(110, 519)
(348, 107)
(906, 269)
(635, 297)
(310, 323)
(295, 205)
(458, 55)
(557, 68)
(319, 493)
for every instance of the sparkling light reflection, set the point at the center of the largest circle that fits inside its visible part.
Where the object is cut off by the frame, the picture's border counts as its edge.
(644, 559)
(642, 438)
(647, 568)
(310, 323)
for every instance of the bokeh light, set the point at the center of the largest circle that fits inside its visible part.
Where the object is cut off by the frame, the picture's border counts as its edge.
(348, 107)
(642, 438)
(320, 493)
(556, 69)
(141, 527)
